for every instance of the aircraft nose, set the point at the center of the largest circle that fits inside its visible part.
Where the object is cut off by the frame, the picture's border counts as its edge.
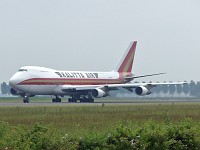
(13, 81)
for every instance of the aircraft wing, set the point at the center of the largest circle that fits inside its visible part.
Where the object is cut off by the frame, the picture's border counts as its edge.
(110, 87)
(67, 88)
(130, 86)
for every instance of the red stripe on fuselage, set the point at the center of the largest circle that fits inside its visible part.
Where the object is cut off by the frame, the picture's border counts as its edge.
(71, 81)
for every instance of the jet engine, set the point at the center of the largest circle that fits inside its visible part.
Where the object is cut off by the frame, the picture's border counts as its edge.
(97, 93)
(14, 92)
(141, 90)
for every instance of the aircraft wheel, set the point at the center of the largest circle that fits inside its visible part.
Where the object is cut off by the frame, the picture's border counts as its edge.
(72, 100)
(53, 100)
(81, 100)
(69, 100)
(25, 100)
(56, 100)
(92, 100)
(59, 100)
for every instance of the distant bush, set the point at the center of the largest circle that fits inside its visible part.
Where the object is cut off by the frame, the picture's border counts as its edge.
(38, 137)
(151, 135)
(4, 127)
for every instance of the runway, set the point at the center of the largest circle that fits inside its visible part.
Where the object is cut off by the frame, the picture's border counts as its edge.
(40, 104)
(97, 103)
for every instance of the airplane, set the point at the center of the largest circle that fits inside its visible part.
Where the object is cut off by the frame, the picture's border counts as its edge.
(81, 86)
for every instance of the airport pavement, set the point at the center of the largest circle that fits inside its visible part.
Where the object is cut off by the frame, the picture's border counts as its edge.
(140, 102)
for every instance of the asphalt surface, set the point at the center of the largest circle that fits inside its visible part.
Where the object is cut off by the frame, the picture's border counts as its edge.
(122, 102)
(32, 104)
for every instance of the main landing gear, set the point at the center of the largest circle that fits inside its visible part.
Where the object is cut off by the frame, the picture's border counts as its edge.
(26, 99)
(82, 99)
(72, 99)
(56, 99)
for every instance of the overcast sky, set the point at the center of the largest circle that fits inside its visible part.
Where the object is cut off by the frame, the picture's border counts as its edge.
(93, 34)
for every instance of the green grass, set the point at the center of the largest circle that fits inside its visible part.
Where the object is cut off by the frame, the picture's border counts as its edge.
(76, 119)
(101, 126)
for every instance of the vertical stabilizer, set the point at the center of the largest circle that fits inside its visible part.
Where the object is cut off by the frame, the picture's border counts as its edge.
(126, 62)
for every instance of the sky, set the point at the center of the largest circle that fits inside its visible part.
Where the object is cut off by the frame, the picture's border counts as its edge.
(93, 35)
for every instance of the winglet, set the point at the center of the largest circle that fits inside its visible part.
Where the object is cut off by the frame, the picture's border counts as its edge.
(126, 62)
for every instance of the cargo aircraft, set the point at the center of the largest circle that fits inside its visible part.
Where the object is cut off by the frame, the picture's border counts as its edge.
(81, 86)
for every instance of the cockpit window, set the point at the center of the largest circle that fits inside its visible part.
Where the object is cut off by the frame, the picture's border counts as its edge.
(22, 70)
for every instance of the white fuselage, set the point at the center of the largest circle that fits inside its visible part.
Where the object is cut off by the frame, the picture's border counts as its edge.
(44, 81)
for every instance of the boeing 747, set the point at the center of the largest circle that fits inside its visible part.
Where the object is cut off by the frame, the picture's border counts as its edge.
(81, 86)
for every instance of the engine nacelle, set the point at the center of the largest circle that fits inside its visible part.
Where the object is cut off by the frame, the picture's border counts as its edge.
(97, 93)
(141, 90)
(14, 92)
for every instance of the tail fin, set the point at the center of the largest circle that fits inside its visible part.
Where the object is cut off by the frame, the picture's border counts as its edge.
(126, 62)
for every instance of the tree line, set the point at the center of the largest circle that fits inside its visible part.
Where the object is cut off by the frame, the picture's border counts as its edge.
(5, 88)
(192, 89)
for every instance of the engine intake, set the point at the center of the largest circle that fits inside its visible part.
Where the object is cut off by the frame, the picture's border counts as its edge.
(14, 92)
(97, 93)
(142, 91)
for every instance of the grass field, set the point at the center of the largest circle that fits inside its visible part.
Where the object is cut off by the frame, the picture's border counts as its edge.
(152, 125)
(76, 119)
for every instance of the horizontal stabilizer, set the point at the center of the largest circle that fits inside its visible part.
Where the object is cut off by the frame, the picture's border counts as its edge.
(148, 75)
